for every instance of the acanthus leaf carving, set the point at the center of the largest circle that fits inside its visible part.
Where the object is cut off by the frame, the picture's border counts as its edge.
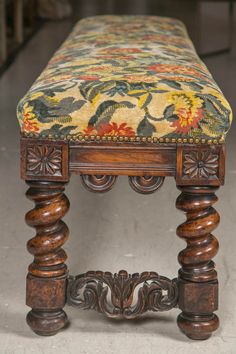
(114, 294)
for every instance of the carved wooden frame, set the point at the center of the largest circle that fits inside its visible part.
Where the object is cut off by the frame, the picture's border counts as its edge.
(199, 170)
(130, 159)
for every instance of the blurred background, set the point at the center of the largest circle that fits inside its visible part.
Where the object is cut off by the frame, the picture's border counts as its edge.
(209, 22)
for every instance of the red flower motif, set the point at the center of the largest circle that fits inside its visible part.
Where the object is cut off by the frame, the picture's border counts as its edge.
(121, 57)
(164, 38)
(121, 51)
(175, 69)
(177, 78)
(59, 58)
(90, 130)
(111, 129)
(30, 126)
(187, 120)
(89, 77)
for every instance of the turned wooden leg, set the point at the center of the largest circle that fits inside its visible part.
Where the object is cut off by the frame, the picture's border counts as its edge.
(198, 285)
(47, 277)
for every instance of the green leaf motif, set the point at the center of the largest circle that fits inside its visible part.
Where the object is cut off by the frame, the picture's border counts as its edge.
(194, 86)
(216, 102)
(90, 90)
(172, 84)
(212, 125)
(216, 119)
(169, 110)
(106, 110)
(148, 100)
(47, 111)
(86, 87)
(60, 119)
(57, 129)
(145, 128)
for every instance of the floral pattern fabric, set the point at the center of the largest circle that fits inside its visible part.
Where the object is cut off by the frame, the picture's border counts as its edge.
(126, 76)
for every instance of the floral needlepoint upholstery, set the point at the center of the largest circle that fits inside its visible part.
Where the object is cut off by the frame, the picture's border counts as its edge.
(126, 77)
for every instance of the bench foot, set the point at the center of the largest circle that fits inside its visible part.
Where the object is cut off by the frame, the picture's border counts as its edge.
(197, 327)
(47, 276)
(197, 282)
(46, 323)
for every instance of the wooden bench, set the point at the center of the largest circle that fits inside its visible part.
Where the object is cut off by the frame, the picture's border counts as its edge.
(124, 95)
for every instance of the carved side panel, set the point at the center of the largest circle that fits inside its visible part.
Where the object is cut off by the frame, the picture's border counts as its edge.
(44, 160)
(200, 165)
(122, 295)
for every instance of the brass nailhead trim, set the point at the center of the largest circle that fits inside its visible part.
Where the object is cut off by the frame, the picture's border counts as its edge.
(149, 139)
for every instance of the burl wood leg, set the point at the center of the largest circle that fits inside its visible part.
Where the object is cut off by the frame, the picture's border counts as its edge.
(198, 285)
(47, 277)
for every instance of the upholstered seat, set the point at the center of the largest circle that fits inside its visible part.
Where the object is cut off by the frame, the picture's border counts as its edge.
(134, 77)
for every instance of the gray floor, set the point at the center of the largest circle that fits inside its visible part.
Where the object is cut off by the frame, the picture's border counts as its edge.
(117, 230)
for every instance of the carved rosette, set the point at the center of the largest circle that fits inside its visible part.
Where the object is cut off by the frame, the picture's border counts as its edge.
(44, 160)
(200, 165)
(115, 295)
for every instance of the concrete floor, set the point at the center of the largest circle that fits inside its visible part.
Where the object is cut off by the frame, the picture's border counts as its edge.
(118, 230)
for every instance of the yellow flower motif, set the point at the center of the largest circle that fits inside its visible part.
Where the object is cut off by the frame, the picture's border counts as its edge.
(30, 122)
(185, 101)
(188, 108)
(28, 111)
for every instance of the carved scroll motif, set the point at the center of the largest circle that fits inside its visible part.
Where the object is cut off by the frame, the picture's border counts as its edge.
(146, 184)
(98, 184)
(114, 294)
